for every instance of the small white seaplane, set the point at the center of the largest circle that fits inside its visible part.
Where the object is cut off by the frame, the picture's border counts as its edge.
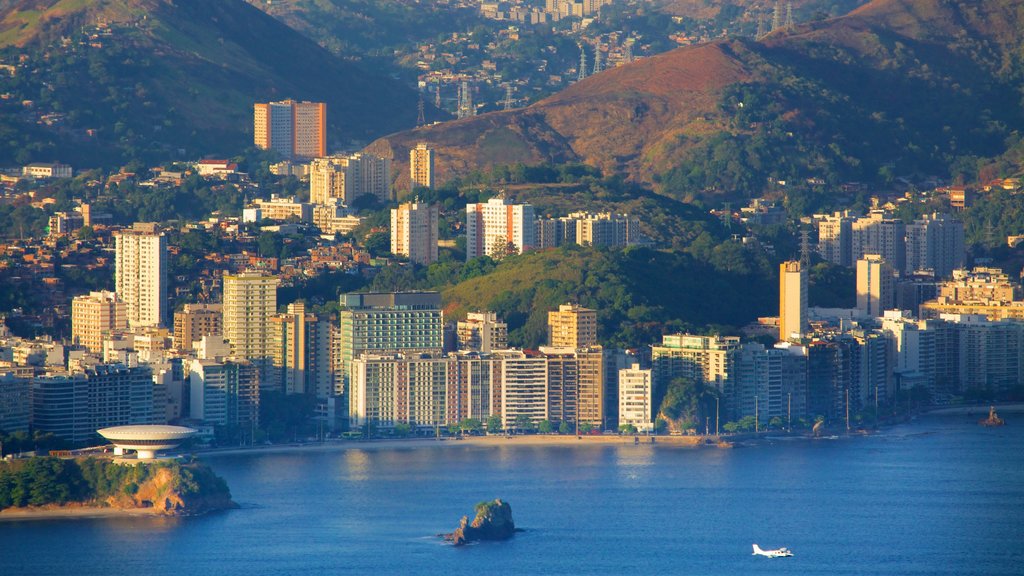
(779, 553)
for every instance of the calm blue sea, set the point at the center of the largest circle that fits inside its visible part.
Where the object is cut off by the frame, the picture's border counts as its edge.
(938, 496)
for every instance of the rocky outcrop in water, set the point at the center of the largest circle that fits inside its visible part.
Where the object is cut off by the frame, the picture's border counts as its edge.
(493, 521)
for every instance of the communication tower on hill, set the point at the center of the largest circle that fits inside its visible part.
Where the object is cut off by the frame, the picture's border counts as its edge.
(508, 96)
(805, 247)
(597, 58)
(466, 108)
(777, 16)
(627, 50)
(761, 31)
(789, 15)
(421, 117)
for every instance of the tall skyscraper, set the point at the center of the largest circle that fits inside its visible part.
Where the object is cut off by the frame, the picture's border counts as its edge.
(140, 273)
(498, 227)
(250, 301)
(572, 326)
(792, 300)
(876, 285)
(293, 129)
(348, 178)
(421, 166)
(96, 316)
(414, 232)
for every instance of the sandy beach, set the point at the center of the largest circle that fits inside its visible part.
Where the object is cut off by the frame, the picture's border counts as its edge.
(75, 511)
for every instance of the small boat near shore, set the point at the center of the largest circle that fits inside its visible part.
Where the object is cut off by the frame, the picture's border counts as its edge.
(993, 419)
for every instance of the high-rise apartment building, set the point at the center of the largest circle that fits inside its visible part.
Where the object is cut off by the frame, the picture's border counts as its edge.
(387, 323)
(636, 397)
(250, 301)
(15, 402)
(499, 227)
(73, 406)
(349, 177)
(194, 321)
(835, 237)
(523, 388)
(140, 273)
(95, 317)
(876, 285)
(293, 129)
(224, 392)
(482, 332)
(421, 166)
(414, 232)
(572, 326)
(792, 300)
(302, 352)
(879, 234)
(935, 243)
(705, 359)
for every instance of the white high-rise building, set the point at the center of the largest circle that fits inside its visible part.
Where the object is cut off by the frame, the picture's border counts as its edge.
(421, 166)
(250, 301)
(414, 232)
(636, 397)
(499, 227)
(141, 273)
(482, 332)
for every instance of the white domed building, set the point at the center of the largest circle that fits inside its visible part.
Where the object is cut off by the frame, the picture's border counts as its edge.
(146, 439)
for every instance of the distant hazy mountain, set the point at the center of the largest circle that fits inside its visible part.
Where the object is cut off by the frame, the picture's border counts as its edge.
(153, 76)
(897, 87)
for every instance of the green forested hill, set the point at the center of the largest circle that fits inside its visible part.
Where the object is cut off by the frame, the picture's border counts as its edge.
(639, 293)
(97, 82)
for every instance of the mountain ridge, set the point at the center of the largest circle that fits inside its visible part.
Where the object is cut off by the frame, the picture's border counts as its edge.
(668, 120)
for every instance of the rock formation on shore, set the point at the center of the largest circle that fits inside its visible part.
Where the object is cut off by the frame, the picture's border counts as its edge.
(493, 521)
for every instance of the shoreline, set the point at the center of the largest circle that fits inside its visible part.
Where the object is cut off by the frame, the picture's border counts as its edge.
(77, 511)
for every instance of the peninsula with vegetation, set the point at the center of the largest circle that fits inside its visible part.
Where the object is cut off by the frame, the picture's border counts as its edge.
(49, 486)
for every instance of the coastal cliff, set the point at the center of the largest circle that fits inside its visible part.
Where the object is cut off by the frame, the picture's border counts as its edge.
(493, 521)
(167, 488)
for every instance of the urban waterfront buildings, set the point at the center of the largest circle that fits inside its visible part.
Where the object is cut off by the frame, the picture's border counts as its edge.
(141, 273)
(292, 129)
(224, 392)
(636, 398)
(499, 227)
(421, 166)
(414, 229)
(74, 405)
(303, 352)
(15, 403)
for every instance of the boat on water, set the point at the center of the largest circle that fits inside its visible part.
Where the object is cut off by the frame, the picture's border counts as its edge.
(777, 553)
(993, 418)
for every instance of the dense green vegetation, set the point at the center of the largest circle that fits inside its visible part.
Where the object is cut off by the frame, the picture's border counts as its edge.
(42, 481)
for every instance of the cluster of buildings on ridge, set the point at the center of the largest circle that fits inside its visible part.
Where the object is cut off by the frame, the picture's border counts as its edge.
(493, 228)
